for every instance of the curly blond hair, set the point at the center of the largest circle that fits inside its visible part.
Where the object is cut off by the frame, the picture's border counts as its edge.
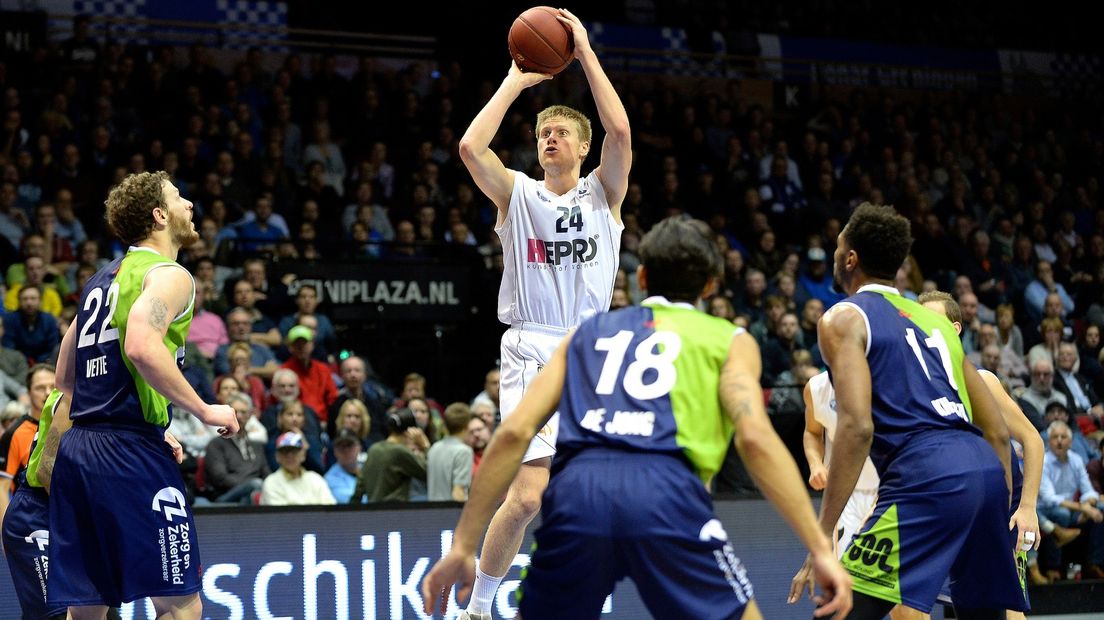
(130, 205)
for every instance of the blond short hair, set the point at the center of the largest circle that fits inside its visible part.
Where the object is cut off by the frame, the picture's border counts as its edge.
(571, 114)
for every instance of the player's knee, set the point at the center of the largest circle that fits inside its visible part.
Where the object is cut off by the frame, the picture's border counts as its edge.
(526, 503)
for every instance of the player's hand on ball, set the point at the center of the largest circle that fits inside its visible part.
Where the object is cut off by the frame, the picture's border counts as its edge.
(527, 79)
(454, 568)
(835, 587)
(578, 32)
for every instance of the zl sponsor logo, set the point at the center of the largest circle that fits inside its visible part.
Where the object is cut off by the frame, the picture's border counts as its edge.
(170, 502)
(39, 538)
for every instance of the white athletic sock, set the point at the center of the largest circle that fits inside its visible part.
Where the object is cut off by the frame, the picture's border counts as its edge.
(483, 592)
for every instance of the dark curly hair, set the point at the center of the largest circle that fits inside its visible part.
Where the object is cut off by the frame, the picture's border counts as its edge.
(881, 237)
(130, 205)
(680, 257)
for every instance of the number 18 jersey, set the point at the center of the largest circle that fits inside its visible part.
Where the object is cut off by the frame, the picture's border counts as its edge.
(645, 379)
(108, 387)
(915, 359)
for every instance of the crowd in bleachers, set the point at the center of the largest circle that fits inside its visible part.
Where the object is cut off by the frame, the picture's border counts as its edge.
(308, 162)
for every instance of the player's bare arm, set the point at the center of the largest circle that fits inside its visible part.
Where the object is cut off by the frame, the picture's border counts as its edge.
(613, 169)
(58, 426)
(812, 441)
(842, 337)
(775, 472)
(500, 464)
(65, 379)
(1021, 429)
(167, 293)
(987, 417)
(490, 175)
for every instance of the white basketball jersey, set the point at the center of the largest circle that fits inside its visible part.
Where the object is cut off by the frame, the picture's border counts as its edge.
(560, 254)
(824, 412)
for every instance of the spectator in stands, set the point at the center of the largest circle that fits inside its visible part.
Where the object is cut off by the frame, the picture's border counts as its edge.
(316, 385)
(479, 435)
(236, 466)
(292, 484)
(289, 413)
(816, 281)
(1095, 469)
(490, 389)
(1088, 350)
(239, 328)
(352, 416)
(1057, 412)
(13, 363)
(208, 331)
(375, 396)
(779, 348)
(29, 330)
(262, 329)
(262, 229)
(449, 461)
(50, 299)
(1067, 498)
(1051, 328)
(306, 303)
(341, 477)
(271, 299)
(1040, 392)
(1009, 334)
(240, 369)
(1043, 286)
(391, 465)
(1080, 395)
(971, 324)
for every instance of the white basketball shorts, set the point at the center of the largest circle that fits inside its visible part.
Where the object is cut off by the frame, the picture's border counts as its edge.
(526, 348)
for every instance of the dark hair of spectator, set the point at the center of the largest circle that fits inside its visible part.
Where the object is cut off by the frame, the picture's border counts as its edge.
(680, 258)
(130, 205)
(37, 368)
(950, 306)
(880, 237)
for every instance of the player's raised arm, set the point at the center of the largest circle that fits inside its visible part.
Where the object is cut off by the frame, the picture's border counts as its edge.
(842, 337)
(167, 294)
(987, 417)
(613, 169)
(500, 464)
(486, 169)
(774, 470)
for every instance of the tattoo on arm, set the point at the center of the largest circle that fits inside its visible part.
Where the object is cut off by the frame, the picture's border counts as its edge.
(158, 313)
(49, 455)
(735, 392)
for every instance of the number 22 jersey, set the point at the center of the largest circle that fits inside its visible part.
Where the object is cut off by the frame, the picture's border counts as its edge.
(108, 387)
(917, 384)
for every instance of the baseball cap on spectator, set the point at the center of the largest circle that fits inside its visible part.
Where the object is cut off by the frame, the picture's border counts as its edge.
(816, 254)
(300, 332)
(346, 437)
(290, 439)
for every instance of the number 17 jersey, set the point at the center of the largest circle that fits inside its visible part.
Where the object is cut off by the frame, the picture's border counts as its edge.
(108, 388)
(916, 380)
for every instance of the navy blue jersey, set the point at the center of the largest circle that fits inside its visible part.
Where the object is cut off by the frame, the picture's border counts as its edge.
(108, 388)
(646, 379)
(917, 383)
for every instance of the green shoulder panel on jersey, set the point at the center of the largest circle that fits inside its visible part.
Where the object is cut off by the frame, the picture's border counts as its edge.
(131, 277)
(928, 322)
(704, 430)
(44, 421)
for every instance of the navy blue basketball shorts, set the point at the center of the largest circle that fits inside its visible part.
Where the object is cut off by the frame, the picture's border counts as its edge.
(121, 528)
(26, 544)
(942, 511)
(610, 514)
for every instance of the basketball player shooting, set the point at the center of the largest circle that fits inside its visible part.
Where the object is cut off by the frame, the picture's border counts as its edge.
(561, 238)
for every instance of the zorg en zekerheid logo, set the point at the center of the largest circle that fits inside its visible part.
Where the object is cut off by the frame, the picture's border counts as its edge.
(175, 541)
(574, 251)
